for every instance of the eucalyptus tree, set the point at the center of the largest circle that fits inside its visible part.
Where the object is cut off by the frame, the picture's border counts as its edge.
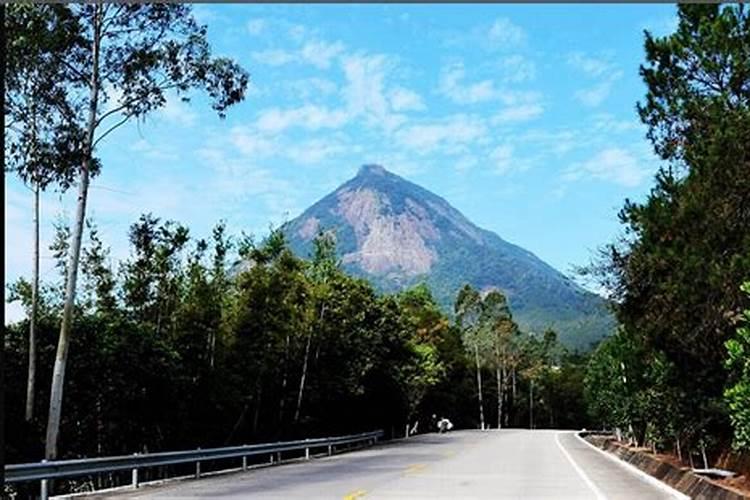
(43, 139)
(131, 57)
(468, 310)
(497, 321)
(322, 269)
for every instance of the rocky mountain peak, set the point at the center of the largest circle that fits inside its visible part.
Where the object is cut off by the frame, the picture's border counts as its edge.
(372, 169)
(397, 233)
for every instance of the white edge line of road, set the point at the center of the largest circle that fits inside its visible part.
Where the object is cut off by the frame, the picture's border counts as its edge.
(597, 492)
(643, 475)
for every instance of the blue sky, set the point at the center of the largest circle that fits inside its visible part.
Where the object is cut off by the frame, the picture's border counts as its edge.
(521, 116)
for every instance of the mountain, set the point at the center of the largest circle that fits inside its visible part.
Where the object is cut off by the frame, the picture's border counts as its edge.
(396, 234)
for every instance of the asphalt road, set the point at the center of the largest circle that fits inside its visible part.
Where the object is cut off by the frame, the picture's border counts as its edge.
(509, 463)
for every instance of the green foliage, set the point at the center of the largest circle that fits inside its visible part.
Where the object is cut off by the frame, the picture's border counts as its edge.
(676, 272)
(43, 144)
(737, 395)
(187, 353)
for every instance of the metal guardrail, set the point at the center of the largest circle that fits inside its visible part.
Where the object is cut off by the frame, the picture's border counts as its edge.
(45, 471)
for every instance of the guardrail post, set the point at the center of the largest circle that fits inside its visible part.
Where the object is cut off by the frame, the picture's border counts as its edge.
(307, 453)
(271, 458)
(244, 462)
(135, 474)
(330, 450)
(198, 467)
(44, 490)
(278, 457)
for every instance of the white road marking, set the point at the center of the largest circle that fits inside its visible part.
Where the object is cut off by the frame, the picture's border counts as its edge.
(643, 475)
(597, 492)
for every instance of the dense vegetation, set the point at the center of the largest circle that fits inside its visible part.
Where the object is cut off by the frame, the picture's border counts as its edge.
(676, 374)
(194, 342)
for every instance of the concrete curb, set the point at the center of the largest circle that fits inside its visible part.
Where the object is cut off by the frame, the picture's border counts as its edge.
(680, 479)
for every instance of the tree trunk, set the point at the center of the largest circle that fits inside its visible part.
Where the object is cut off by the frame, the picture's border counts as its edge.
(256, 413)
(282, 396)
(500, 391)
(506, 397)
(499, 367)
(31, 382)
(237, 424)
(61, 358)
(3, 44)
(303, 377)
(479, 388)
(531, 403)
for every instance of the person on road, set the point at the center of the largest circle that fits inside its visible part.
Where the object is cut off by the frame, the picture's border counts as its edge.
(444, 425)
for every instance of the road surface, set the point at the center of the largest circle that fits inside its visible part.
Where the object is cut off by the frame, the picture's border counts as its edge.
(510, 463)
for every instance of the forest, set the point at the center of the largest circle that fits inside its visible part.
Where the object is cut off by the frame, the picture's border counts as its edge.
(195, 342)
(210, 342)
(676, 375)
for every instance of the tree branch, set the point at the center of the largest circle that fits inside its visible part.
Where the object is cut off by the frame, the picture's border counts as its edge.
(110, 129)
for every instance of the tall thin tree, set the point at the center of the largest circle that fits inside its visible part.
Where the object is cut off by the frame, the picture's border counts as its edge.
(139, 53)
(43, 143)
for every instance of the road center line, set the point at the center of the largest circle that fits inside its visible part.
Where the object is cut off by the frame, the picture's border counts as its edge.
(597, 492)
(414, 468)
(354, 495)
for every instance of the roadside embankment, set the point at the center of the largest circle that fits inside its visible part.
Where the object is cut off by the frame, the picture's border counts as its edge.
(682, 479)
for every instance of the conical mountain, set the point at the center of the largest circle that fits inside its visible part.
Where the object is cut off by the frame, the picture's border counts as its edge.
(396, 234)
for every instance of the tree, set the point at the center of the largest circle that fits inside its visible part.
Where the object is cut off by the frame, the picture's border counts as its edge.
(43, 143)
(468, 309)
(322, 269)
(737, 395)
(141, 52)
(675, 273)
(497, 319)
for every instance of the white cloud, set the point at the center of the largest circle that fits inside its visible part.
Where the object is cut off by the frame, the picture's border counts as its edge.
(406, 100)
(251, 143)
(600, 69)
(365, 79)
(314, 151)
(662, 26)
(308, 116)
(310, 88)
(502, 158)
(606, 123)
(591, 66)
(320, 53)
(594, 96)
(178, 111)
(297, 32)
(451, 134)
(504, 33)
(317, 53)
(517, 68)
(612, 164)
(466, 163)
(365, 90)
(273, 57)
(256, 26)
(517, 113)
(154, 151)
(451, 85)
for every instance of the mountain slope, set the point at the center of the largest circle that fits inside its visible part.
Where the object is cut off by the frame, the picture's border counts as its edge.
(396, 234)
